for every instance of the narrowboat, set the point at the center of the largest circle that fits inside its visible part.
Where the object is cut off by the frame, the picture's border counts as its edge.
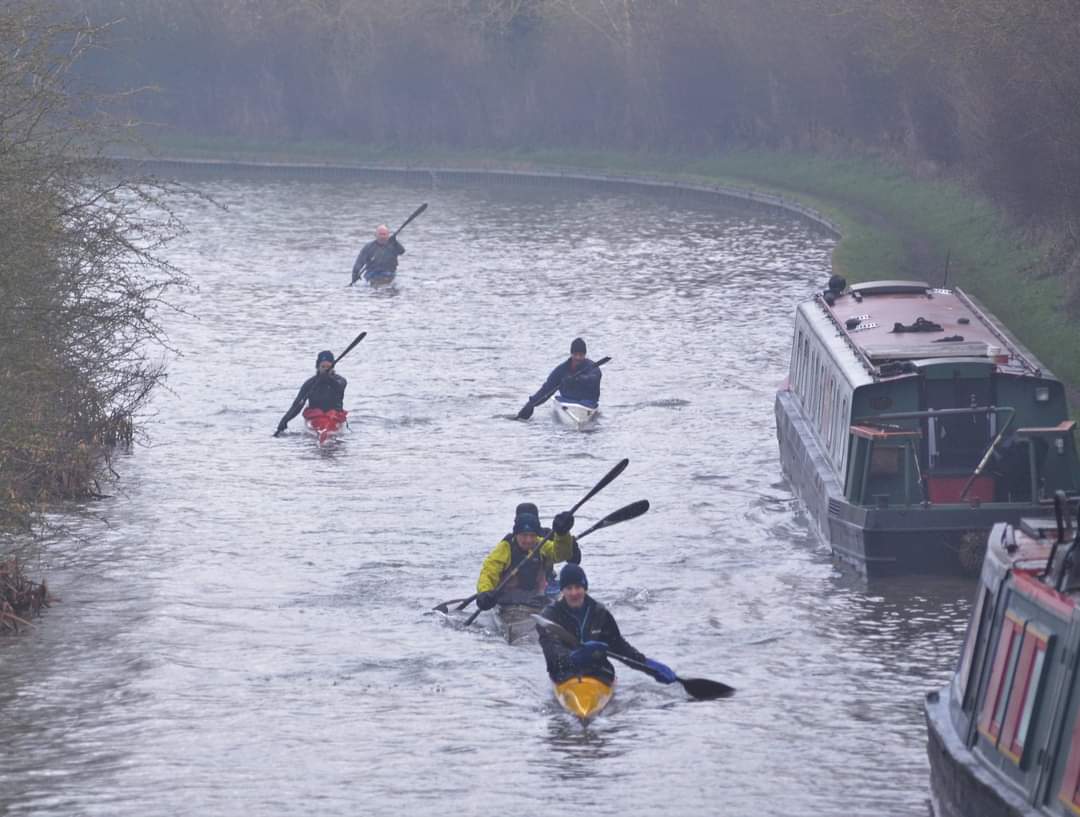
(1004, 734)
(911, 421)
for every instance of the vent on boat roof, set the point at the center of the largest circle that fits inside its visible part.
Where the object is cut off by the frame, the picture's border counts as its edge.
(891, 288)
(917, 351)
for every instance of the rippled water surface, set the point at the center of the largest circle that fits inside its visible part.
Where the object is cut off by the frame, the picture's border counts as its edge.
(249, 628)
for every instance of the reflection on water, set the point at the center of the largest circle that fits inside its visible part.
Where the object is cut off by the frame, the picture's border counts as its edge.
(249, 628)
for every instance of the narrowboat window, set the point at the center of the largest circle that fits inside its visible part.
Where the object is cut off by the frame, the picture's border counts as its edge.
(1024, 693)
(963, 675)
(1069, 793)
(997, 691)
(886, 460)
(1029, 700)
(1006, 684)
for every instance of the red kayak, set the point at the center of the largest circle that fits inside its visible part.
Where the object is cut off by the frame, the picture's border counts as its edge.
(325, 424)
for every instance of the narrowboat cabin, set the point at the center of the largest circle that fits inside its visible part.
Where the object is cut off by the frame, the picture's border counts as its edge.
(911, 421)
(1004, 735)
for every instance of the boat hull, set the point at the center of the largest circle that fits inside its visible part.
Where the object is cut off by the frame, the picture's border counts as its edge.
(515, 620)
(584, 697)
(574, 415)
(325, 425)
(890, 540)
(959, 785)
(380, 279)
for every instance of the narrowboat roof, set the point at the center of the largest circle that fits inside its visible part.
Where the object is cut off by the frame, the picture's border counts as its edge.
(1034, 551)
(894, 327)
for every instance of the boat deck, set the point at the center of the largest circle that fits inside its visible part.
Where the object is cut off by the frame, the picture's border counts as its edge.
(905, 320)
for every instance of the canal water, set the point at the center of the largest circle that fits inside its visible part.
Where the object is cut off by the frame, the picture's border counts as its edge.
(245, 626)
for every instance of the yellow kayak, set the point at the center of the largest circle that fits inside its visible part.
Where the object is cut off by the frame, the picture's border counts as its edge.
(585, 697)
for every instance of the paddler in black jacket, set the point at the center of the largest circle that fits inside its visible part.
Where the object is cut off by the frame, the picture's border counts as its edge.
(378, 257)
(581, 614)
(324, 391)
(577, 377)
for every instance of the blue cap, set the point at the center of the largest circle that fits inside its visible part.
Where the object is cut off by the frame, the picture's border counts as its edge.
(325, 354)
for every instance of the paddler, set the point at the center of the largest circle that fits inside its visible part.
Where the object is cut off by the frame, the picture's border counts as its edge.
(378, 258)
(577, 378)
(514, 550)
(325, 391)
(579, 613)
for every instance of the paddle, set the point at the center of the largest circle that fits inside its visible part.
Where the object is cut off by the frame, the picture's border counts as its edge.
(337, 360)
(700, 688)
(393, 235)
(527, 410)
(603, 483)
(624, 514)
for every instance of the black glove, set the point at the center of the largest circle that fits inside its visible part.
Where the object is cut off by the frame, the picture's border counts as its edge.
(526, 411)
(562, 522)
(282, 426)
(486, 600)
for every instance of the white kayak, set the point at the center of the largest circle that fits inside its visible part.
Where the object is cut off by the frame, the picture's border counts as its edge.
(574, 415)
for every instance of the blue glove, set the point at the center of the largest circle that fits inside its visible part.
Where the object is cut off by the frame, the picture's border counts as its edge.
(664, 673)
(563, 522)
(588, 653)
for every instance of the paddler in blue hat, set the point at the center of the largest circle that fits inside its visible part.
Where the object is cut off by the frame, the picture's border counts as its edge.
(577, 377)
(579, 613)
(514, 549)
(324, 392)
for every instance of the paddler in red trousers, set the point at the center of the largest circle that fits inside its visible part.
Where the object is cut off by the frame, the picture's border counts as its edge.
(323, 393)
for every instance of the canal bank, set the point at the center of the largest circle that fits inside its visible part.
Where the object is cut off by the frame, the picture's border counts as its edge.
(892, 224)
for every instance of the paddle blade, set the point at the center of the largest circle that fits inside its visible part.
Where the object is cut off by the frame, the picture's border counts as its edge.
(349, 348)
(624, 514)
(557, 630)
(603, 483)
(416, 212)
(705, 690)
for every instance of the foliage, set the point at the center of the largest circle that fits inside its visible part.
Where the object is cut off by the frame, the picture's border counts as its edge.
(80, 274)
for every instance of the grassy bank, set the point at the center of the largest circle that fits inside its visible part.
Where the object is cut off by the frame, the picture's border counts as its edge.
(894, 226)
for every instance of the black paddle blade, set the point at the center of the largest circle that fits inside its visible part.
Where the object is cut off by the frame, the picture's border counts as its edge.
(624, 514)
(705, 690)
(603, 483)
(416, 212)
(349, 348)
(557, 630)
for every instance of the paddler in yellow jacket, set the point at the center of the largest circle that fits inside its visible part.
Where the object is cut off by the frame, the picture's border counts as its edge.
(513, 552)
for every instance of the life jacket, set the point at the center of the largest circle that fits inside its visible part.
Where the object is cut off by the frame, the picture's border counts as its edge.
(527, 577)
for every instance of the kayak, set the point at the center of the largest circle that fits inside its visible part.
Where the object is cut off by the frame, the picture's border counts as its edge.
(325, 424)
(379, 279)
(574, 415)
(513, 615)
(584, 696)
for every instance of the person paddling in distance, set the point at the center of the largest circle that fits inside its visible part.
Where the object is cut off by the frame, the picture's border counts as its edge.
(579, 613)
(325, 392)
(378, 258)
(577, 379)
(513, 553)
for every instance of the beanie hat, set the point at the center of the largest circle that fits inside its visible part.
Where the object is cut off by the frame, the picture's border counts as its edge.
(326, 354)
(572, 574)
(526, 507)
(577, 345)
(527, 523)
